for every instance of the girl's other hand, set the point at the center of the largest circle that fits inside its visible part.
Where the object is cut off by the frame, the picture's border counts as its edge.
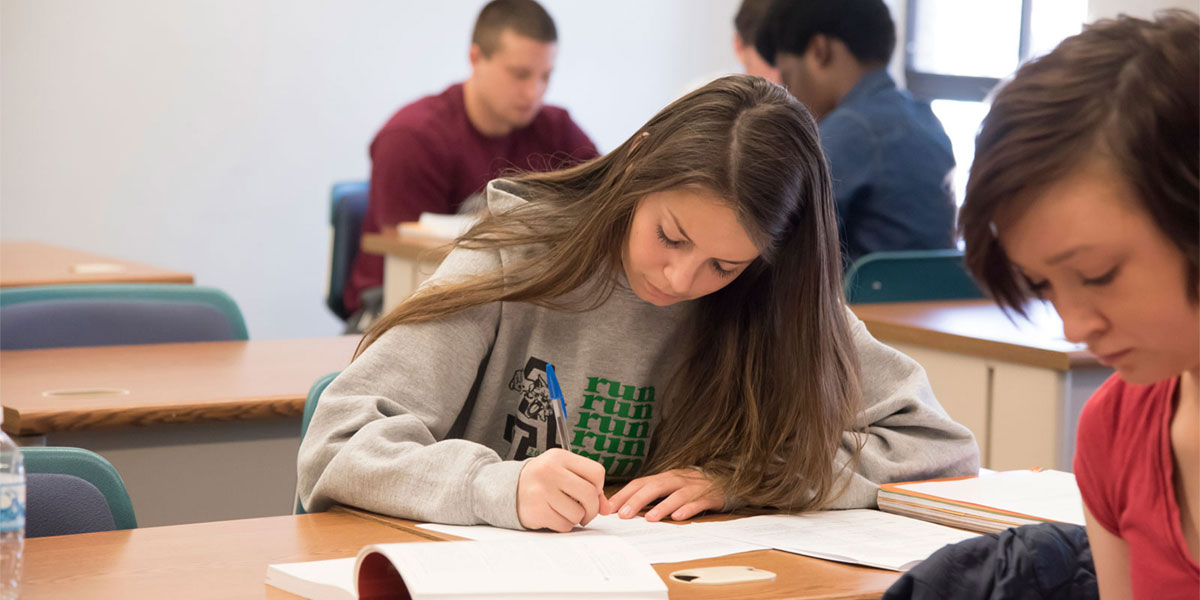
(558, 490)
(687, 492)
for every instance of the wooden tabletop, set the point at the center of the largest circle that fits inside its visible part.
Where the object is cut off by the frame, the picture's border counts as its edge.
(70, 389)
(977, 328)
(224, 559)
(796, 576)
(392, 243)
(32, 263)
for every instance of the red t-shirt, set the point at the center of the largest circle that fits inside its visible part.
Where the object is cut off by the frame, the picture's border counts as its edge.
(1124, 469)
(429, 158)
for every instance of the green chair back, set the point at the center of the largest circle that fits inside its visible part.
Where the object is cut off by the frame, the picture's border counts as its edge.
(310, 406)
(909, 276)
(90, 467)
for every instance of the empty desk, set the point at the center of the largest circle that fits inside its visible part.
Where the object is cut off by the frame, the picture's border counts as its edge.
(1019, 386)
(199, 431)
(31, 263)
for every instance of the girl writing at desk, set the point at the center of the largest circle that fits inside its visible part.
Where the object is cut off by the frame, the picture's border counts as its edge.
(686, 288)
(1084, 193)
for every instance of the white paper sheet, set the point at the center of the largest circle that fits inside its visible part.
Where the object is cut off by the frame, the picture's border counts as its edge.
(866, 537)
(659, 542)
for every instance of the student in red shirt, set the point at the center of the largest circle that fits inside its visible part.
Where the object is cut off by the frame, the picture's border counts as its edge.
(436, 152)
(1084, 193)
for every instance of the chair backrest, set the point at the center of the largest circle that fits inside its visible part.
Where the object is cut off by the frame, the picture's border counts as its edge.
(909, 276)
(112, 314)
(348, 205)
(90, 467)
(310, 406)
(58, 504)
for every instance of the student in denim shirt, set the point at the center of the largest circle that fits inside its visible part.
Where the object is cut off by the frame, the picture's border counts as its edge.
(889, 156)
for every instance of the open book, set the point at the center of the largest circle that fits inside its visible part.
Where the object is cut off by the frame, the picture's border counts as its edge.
(438, 227)
(588, 567)
(988, 503)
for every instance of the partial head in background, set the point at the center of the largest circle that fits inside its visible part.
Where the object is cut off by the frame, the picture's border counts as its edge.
(823, 47)
(513, 48)
(746, 24)
(1084, 192)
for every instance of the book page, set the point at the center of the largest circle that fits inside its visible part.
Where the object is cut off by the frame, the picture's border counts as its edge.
(1050, 495)
(316, 579)
(594, 564)
(658, 542)
(866, 537)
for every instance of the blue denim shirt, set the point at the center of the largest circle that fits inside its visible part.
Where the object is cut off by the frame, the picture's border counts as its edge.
(891, 164)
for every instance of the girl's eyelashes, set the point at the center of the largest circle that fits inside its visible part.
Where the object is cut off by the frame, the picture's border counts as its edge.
(721, 272)
(1104, 279)
(668, 242)
(1038, 287)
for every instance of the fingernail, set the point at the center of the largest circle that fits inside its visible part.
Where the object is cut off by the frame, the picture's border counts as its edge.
(626, 512)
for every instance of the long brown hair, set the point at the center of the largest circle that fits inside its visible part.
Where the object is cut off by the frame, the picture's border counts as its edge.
(1126, 89)
(771, 379)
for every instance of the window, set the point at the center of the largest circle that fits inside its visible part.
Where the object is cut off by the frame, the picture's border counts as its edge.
(958, 50)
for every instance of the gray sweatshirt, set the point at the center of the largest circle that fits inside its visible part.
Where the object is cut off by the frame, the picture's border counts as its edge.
(433, 420)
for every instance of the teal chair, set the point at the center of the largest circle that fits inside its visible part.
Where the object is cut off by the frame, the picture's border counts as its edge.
(310, 406)
(113, 314)
(90, 467)
(909, 276)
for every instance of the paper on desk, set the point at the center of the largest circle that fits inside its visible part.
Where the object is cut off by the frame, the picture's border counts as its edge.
(866, 537)
(659, 542)
(1051, 495)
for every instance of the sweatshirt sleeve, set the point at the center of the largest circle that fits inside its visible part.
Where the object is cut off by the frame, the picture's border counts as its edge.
(905, 433)
(378, 437)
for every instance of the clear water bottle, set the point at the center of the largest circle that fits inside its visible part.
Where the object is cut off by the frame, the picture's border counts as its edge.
(12, 516)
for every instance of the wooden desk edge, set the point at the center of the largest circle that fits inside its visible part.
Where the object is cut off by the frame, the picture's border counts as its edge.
(424, 249)
(889, 332)
(39, 423)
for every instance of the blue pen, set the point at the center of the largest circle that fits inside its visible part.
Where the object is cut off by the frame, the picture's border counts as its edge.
(559, 405)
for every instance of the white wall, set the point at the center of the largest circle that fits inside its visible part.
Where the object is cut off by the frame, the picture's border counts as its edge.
(203, 135)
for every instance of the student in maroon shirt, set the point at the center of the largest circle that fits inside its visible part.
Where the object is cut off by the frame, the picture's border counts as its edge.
(436, 152)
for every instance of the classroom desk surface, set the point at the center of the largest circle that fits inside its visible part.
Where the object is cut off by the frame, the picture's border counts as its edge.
(33, 263)
(70, 389)
(393, 243)
(226, 559)
(796, 576)
(978, 328)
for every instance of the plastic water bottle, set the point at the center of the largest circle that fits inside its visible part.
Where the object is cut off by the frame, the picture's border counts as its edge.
(12, 516)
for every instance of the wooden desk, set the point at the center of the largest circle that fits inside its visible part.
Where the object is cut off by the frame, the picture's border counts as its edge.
(200, 431)
(408, 261)
(33, 263)
(225, 559)
(796, 576)
(1019, 386)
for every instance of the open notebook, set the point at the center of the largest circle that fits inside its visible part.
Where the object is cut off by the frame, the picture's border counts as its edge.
(588, 567)
(988, 503)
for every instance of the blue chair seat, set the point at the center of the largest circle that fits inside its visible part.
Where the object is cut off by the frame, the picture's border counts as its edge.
(59, 504)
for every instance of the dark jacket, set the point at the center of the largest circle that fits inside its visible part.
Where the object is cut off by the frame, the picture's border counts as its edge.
(1050, 560)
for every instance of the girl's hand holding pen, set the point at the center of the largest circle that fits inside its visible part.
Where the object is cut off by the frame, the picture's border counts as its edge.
(686, 493)
(558, 490)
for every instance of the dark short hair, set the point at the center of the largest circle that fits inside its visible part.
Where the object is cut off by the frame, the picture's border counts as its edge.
(749, 18)
(865, 26)
(1125, 89)
(524, 17)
